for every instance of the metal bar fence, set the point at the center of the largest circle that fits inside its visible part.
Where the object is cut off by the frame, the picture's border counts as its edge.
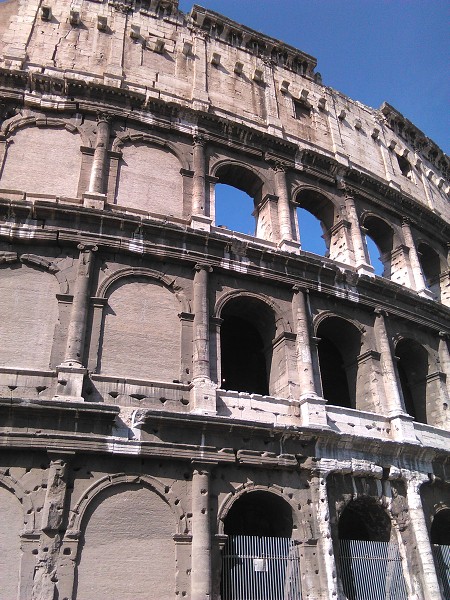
(372, 571)
(442, 560)
(260, 568)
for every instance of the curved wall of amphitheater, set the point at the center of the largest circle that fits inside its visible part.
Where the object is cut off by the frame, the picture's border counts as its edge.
(168, 384)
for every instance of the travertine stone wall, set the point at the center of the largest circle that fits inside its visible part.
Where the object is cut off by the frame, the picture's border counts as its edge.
(122, 456)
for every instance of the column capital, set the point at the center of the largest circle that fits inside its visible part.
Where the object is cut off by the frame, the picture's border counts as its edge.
(199, 140)
(103, 117)
(87, 247)
(380, 312)
(203, 267)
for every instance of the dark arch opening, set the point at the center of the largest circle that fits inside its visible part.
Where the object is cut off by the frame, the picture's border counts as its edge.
(412, 365)
(338, 349)
(440, 528)
(261, 514)
(246, 335)
(364, 519)
(382, 236)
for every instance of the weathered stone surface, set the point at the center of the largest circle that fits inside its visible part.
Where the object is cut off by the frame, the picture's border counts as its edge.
(166, 383)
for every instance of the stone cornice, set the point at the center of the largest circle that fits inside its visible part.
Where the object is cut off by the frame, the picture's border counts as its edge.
(230, 32)
(416, 138)
(316, 273)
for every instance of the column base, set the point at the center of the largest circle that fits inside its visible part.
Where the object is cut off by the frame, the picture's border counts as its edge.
(365, 269)
(203, 397)
(93, 200)
(70, 383)
(402, 428)
(313, 411)
(289, 246)
(201, 223)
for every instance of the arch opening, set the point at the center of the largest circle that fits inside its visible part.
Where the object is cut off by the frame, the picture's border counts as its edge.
(440, 541)
(365, 520)
(412, 365)
(313, 207)
(260, 560)
(234, 209)
(430, 263)
(379, 239)
(338, 349)
(246, 336)
(261, 514)
(367, 553)
(238, 192)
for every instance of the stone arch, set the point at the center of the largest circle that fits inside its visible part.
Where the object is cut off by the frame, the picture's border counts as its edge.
(15, 487)
(388, 241)
(126, 525)
(433, 264)
(255, 197)
(249, 488)
(26, 168)
(136, 299)
(282, 324)
(364, 518)
(150, 175)
(167, 281)
(16, 511)
(339, 348)
(325, 210)
(416, 367)
(254, 344)
(79, 510)
(120, 141)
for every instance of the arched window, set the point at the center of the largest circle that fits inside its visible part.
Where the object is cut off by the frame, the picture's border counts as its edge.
(338, 348)
(413, 365)
(380, 240)
(238, 196)
(260, 560)
(431, 268)
(369, 560)
(246, 336)
(234, 209)
(316, 216)
(312, 239)
(440, 540)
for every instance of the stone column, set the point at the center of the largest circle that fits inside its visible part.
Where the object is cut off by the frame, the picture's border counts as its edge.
(284, 209)
(71, 372)
(201, 534)
(401, 422)
(417, 275)
(45, 578)
(199, 219)
(359, 245)
(444, 357)
(203, 396)
(200, 97)
(95, 197)
(312, 406)
(318, 490)
(423, 555)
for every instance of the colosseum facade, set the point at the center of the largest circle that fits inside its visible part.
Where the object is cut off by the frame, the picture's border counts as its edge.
(187, 411)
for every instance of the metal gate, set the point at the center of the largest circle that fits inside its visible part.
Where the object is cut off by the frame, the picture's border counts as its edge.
(260, 568)
(442, 558)
(372, 571)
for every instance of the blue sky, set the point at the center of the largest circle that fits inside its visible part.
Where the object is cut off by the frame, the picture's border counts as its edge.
(371, 50)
